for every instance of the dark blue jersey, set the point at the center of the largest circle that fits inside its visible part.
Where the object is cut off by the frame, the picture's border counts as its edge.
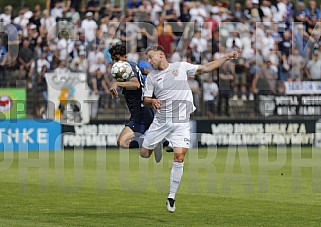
(135, 99)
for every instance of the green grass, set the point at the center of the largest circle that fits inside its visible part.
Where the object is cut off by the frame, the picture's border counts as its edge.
(122, 189)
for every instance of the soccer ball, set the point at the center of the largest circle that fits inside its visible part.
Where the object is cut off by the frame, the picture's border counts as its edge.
(121, 71)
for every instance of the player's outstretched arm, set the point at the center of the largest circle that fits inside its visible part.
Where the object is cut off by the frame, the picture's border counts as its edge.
(213, 65)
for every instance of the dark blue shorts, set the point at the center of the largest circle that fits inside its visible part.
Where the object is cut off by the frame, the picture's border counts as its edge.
(138, 127)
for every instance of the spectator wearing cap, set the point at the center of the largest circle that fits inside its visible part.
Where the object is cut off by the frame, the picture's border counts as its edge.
(6, 16)
(89, 26)
(256, 12)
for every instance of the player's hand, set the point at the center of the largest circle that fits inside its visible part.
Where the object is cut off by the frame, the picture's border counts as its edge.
(156, 103)
(113, 90)
(233, 55)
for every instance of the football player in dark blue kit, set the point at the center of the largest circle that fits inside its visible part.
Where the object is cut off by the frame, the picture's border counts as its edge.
(141, 116)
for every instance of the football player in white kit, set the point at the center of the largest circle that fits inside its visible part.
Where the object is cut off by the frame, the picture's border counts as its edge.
(173, 102)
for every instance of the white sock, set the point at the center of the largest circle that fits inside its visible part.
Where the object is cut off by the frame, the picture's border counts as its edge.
(175, 178)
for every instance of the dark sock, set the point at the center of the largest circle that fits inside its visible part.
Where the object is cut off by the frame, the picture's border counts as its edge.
(165, 143)
(136, 142)
(133, 144)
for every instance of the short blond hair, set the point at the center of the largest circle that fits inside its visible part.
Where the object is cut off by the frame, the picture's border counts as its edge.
(155, 48)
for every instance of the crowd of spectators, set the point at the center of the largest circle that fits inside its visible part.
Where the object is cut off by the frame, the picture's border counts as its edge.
(277, 42)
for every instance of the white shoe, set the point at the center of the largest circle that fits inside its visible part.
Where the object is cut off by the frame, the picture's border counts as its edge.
(244, 97)
(251, 97)
(170, 205)
(234, 97)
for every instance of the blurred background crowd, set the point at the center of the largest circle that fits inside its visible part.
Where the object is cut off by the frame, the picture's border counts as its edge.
(277, 41)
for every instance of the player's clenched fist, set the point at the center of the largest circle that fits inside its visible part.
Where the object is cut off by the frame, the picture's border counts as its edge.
(233, 55)
(156, 103)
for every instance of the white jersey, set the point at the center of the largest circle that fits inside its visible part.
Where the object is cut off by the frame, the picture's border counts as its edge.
(171, 87)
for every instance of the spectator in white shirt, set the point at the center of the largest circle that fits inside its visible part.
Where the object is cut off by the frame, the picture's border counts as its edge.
(89, 26)
(42, 61)
(267, 44)
(58, 10)
(47, 22)
(6, 16)
(234, 42)
(210, 92)
(198, 45)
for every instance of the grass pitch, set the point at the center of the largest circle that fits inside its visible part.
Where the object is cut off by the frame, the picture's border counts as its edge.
(223, 187)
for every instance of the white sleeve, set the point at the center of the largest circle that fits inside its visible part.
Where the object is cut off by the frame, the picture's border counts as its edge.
(149, 86)
(215, 89)
(190, 68)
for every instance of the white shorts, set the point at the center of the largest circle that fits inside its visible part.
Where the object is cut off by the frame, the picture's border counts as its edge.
(176, 133)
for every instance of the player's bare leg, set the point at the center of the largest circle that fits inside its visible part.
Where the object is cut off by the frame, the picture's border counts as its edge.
(125, 137)
(145, 153)
(176, 176)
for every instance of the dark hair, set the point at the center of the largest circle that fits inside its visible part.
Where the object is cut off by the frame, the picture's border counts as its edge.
(155, 48)
(117, 49)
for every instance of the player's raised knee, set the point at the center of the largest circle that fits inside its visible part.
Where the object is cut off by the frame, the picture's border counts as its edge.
(145, 153)
(179, 157)
(122, 143)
